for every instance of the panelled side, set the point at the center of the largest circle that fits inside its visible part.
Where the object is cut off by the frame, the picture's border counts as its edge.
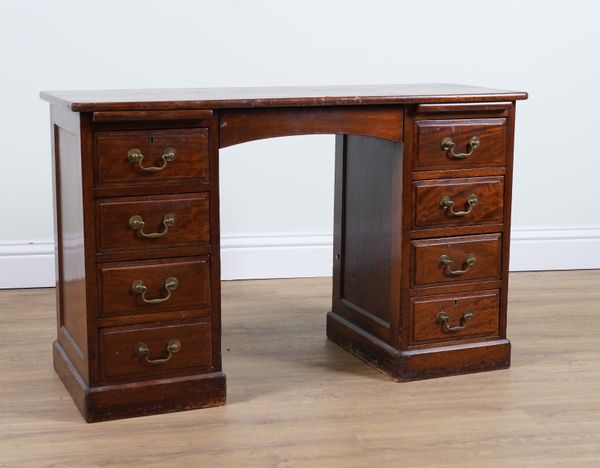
(508, 182)
(367, 238)
(69, 238)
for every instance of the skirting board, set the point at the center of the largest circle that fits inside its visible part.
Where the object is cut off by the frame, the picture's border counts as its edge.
(31, 265)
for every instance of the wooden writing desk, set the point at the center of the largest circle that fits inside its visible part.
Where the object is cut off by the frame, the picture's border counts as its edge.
(421, 237)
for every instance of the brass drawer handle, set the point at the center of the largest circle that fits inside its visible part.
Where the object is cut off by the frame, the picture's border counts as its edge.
(444, 320)
(141, 349)
(134, 155)
(448, 146)
(137, 224)
(138, 287)
(448, 205)
(446, 263)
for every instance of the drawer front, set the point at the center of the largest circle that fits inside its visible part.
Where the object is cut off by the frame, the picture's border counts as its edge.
(456, 259)
(458, 202)
(154, 286)
(153, 349)
(151, 222)
(451, 317)
(446, 143)
(152, 156)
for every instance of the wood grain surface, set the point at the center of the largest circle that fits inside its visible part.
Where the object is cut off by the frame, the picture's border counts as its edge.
(297, 400)
(192, 224)
(429, 270)
(194, 98)
(119, 360)
(430, 153)
(483, 305)
(191, 156)
(117, 298)
(488, 209)
(241, 125)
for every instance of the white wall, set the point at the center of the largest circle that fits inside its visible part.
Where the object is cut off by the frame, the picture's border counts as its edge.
(277, 194)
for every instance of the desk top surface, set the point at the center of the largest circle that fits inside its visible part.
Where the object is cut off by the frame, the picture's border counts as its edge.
(292, 96)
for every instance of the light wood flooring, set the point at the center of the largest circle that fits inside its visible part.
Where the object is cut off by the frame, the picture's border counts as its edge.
(295, 399)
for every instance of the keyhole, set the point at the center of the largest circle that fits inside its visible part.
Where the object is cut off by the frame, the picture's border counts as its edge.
(455, 302)
(151, 139)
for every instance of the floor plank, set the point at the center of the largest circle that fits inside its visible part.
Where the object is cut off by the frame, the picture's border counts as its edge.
(294, 399)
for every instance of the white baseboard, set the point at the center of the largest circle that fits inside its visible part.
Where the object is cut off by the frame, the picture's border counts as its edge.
(27, 265)
(282, 256)
(555, 249)
(31, 265)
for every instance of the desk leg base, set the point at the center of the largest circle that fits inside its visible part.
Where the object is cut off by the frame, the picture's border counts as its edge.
(126, 400)
(422, 363)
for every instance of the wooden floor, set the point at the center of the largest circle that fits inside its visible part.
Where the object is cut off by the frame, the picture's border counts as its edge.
(294, 399)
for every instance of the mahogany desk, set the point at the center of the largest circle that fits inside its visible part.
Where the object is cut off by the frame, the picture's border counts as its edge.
(421, 239)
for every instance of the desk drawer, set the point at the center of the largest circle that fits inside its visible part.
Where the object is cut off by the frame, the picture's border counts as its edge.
(459, 202)
(150, 350)
(456, 259)
(452, 317)
(460, 143)
(152, 222)
(151, 286)
(152, 156)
